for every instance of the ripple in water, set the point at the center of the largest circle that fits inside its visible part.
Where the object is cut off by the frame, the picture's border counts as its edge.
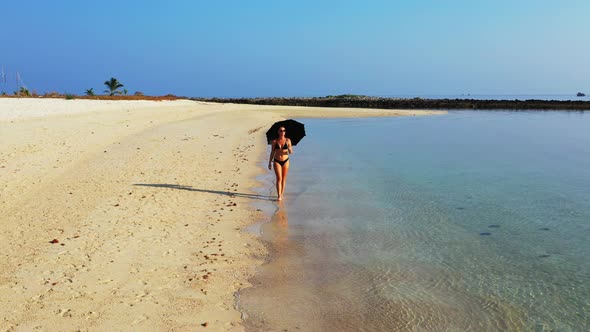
(435, 235)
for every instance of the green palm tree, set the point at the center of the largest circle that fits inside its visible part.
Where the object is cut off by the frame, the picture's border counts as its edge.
(23, 91)
(90, 92)
(112, 86)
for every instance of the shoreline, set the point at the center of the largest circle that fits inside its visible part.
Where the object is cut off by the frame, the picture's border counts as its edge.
(379, 241)
(359, 101)
(144, 202)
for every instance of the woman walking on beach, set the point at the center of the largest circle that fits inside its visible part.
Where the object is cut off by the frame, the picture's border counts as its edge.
(279, 156)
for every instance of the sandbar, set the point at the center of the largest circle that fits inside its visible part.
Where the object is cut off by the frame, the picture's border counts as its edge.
(128, 215)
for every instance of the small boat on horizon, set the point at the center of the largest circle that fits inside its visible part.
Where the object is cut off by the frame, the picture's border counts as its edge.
(580, 94)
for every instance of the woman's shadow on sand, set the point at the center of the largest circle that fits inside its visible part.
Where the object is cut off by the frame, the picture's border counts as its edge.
(218, 192)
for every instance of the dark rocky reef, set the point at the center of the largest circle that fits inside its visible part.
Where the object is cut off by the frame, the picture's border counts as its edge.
(356, 101)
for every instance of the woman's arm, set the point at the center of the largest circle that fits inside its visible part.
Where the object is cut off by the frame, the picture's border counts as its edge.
(289, 145)
(272, 152)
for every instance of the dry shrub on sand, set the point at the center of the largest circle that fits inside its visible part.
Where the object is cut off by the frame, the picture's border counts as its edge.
(134, 97)
(52, 94)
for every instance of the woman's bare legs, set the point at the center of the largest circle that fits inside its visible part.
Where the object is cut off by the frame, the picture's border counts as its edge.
(285, 170)
(280, 182)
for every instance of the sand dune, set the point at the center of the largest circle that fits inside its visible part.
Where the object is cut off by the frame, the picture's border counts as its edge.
(126, 215)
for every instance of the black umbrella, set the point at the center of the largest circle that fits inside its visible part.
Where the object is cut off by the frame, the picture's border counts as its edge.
(294, 130)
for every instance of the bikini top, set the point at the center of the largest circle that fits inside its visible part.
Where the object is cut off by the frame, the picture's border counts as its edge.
(284, 146)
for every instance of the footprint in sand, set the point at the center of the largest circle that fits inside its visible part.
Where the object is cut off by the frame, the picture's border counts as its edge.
(89, 315)
(106, 281)
(140, 319)
(139, 297)
(64, 313)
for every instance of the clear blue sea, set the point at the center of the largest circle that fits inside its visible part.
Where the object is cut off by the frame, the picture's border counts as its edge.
(470, 221)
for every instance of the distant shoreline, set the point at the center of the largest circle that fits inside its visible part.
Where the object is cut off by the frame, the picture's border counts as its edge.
(354, 101)
(359, 101)
(99, 97)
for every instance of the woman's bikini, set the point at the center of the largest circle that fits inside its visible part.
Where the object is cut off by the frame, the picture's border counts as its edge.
(285, 147)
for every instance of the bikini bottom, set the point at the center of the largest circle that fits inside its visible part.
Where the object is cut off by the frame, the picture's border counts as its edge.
(281, 162)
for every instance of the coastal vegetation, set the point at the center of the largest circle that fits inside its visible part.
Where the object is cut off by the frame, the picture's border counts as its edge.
(95, 97)
(360, 101)
(112, 86)
(23, 92)
(113, 92)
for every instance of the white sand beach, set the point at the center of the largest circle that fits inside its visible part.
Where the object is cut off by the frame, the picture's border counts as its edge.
(127, 215)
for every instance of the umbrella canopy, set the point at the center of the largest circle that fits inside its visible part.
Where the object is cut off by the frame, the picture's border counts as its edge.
(294, 130)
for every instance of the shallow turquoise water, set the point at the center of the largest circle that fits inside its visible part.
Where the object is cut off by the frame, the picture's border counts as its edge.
(467, 221)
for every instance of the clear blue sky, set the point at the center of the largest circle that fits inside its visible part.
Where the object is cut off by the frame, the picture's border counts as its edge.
(299, 48)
